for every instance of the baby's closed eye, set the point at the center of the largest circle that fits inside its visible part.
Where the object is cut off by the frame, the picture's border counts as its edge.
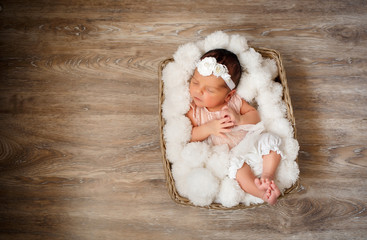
(211, 90)
(193, 81)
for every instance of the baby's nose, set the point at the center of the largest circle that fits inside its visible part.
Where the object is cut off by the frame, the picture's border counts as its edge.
(200, 91)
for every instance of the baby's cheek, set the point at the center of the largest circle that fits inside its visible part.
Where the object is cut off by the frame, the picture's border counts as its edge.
(191, 90)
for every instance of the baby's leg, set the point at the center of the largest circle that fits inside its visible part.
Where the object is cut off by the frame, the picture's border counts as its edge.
(270, 165)
(246, 179)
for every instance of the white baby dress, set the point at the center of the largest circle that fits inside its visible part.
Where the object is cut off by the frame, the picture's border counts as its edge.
(249, 139)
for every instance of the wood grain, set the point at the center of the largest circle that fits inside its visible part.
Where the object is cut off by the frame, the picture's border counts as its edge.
(79, 134)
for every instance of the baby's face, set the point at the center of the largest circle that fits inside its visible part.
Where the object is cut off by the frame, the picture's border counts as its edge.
(209, 92)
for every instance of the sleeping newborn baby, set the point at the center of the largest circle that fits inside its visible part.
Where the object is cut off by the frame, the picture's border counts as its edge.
(220, 116)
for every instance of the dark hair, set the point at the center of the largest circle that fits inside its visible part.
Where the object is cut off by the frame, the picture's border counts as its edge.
(229, 59)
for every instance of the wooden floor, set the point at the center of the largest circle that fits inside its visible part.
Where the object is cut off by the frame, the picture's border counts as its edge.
(79, 137)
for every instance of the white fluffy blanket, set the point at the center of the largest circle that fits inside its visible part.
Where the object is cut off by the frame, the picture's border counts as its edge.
(200, 171)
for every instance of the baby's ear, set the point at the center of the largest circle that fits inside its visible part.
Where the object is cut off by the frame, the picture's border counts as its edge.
(230, 94)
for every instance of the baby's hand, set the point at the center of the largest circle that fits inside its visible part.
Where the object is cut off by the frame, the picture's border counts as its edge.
(231, 114)
(221, 126)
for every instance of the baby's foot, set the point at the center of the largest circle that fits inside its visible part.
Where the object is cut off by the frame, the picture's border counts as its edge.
(272, 193)
(262, 184)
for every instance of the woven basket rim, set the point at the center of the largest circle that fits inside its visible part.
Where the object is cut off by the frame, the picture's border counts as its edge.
(265, 52)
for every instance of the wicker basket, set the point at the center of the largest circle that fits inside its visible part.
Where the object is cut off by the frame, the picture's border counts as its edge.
(266, 53)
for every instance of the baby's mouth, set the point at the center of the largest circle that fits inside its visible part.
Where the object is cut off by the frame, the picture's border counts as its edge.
(197, 99)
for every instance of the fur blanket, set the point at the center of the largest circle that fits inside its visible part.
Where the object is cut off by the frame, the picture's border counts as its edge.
(200, 171)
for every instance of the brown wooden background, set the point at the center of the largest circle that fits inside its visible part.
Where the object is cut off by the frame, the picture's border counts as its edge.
(79, 136)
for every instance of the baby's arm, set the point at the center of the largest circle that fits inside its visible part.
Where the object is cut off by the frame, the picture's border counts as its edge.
(248, 114)
(215, 127)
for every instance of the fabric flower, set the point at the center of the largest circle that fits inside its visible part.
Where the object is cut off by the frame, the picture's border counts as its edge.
(209, 66)
(219, 69)
(206, 66)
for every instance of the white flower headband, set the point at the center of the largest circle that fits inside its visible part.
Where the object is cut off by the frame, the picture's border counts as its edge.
(209, 66)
